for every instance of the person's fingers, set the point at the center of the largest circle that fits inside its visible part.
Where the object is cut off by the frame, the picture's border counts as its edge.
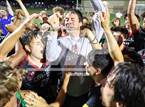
(101, 17)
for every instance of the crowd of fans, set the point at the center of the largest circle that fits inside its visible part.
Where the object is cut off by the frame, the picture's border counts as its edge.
(71, 60)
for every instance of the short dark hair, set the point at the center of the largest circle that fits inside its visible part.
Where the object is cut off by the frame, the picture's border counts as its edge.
(129, 85)
(28, 36)
(123, 30)
(100, 59)
(130, 55)
(78, 13)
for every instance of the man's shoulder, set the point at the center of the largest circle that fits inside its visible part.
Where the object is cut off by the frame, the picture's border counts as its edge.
(84, 39)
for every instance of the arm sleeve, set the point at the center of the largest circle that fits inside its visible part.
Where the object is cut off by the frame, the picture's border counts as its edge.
(98, 5)
(53, 50)
(9, 8)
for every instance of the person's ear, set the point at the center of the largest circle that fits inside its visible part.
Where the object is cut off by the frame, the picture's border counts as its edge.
(27, 48)
(119, 104)
(98, 71)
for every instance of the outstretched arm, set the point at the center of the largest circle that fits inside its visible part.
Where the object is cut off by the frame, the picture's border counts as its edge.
(113, 47)
(134, 23)
(7, 45)
(17, 21)
(18, 17)
(23, 8)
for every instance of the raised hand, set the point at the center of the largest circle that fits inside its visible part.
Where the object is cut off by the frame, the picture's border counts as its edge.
(105, 19)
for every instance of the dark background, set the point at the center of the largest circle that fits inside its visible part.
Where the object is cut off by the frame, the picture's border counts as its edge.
(69, 2)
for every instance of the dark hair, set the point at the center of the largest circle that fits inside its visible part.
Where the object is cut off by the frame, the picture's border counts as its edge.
(27, 38)
(143, 15)
(130, 55)
(123, 30)
(86, 25)
(115, 20)
(129, 85)
(125, 15)
(78, 13)
(100, 59)
(137, 16)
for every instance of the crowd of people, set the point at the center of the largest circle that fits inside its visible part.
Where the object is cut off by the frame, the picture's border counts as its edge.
(69, 60)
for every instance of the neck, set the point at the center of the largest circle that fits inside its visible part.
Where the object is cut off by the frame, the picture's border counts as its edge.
(75, 34)
(35, 61)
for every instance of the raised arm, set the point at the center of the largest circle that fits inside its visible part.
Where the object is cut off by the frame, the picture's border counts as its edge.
(18, 17)
(134, 23)
(61, 95)
(7, 45)
(23, 8)
(17, 21)
(99, 7)
(113, 47)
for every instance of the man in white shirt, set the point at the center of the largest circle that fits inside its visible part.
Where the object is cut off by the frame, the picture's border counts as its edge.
(72, 50)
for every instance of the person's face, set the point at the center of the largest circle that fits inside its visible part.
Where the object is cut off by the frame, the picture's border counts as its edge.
(108, 91)
(72, 22)
(37, 47)
(95, 73)
(4, 13)
(116, 22)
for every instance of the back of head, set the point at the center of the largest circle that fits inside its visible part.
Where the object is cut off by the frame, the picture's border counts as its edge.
(132, 56)
(9, 82)
(100, 59)
(129, 85)
(122, 30)
(58, 9)
(43, 13)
